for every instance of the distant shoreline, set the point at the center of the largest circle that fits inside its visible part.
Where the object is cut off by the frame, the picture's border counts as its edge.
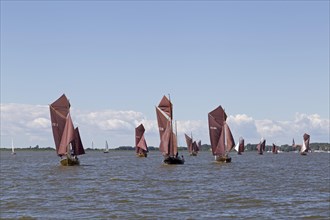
(204, 147)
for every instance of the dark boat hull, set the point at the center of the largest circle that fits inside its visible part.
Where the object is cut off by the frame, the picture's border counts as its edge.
(223, 159)
(68, 161)
(174, 160)
(142, 155)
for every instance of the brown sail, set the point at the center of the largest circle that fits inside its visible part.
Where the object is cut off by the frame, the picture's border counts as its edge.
(164, 126)
(305, 146)
(58, 114)
(189, 142)
(192, 146)
(140, 142)
(241, 145)
(261, 146)
(77, 146)
(67, 139)
(220, 134)
(168, 139)
(166, 106)
(274, 149)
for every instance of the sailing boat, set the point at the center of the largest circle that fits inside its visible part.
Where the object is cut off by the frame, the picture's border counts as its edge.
(240, 146)
(12, 147)
(305, 146)
(220, 134)
(140, 142)
(106, 149)
(261, 146)
(274, 149)
(168, 139)
(192, 145)
(66, 137)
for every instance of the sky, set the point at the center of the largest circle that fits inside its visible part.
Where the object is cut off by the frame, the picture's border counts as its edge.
(265, 62)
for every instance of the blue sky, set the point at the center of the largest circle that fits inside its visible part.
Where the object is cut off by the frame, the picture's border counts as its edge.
(265, 62)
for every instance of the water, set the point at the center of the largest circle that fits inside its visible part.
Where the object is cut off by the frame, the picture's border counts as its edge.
(120, 185)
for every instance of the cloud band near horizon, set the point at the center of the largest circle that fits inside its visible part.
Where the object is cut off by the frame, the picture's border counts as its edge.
(29, 125)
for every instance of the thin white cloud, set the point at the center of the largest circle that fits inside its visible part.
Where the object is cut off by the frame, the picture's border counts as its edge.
(29, 125)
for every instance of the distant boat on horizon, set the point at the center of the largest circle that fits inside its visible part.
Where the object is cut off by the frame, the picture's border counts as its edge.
(67, 138)
(305, 146)
(168, 139)
(141, 147)
(274, 149)
(261, 146)
(240, 146)
(12, 147)
(192, 146)
(221, 138)
(106, 148)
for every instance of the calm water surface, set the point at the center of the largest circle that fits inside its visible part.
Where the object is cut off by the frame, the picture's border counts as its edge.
(120, 185)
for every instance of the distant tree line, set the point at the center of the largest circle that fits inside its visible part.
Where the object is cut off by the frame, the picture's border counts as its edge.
(204, 147)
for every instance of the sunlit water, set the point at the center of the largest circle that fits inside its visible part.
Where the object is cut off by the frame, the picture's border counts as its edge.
(120, 185)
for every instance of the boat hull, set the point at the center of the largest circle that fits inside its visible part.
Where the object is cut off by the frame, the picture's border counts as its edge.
(173, 160)
(141, 155)
(70, 161)
(223, 159)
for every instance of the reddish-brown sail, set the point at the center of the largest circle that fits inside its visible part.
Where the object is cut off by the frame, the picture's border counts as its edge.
(164, 126)
(58, 114)
(189, 142)
(168, 139)
(140, 142)
(192, 146)
(77, 146)
(305, 146)
(166, 106)
(240, 146)
(261, 146)
(220, 132)
(274, 149)
(67, 139)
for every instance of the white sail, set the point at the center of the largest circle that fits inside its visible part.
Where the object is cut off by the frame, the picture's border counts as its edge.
(237, 147)
(106, 146)
(12, 147)
(303, 147)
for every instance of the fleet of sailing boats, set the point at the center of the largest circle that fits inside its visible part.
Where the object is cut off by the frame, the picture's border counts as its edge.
(192, 146)
(69, 145)
(66, 137)
(221, 138)
(168, 139)
(141, 147)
